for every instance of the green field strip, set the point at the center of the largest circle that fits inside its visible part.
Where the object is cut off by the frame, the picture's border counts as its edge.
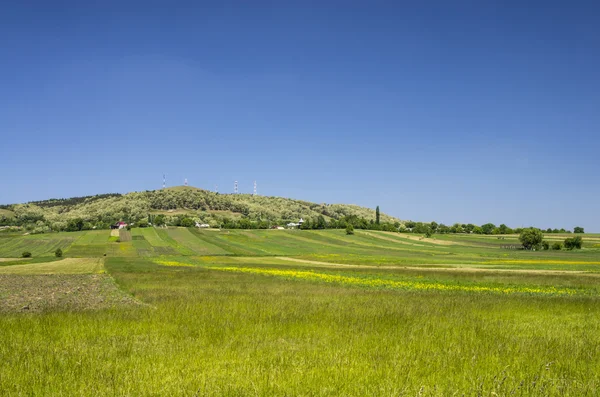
(38, 245)
(152, 237)
(400, 238)
(173, 244)
(190, 241)
(278, 242)
(372, 243)
(229, 242)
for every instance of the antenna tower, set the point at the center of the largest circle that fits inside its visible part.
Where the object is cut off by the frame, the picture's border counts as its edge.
(255, 188)
(235, 189)
(185, 182)
(216, 188)
(164, 181)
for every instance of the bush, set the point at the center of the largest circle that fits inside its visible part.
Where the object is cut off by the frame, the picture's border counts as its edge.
(531, 238)
(573, 242)
(58, 253)
(557, 246)
(349, 229)
(545, 245)
(26, 254)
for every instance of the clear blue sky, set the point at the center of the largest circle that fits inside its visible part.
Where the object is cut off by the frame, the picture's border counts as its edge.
(473, 111)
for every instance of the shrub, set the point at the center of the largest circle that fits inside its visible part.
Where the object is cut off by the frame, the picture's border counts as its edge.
(573, 242)
(349, 229)
(545, 245)
(26, 254)
(58, 253)
(557, 246)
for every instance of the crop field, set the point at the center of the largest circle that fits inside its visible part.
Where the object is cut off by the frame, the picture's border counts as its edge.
(274, 312)
(39, 245)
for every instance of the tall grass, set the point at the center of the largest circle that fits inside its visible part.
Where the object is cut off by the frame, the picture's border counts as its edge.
(218, 333)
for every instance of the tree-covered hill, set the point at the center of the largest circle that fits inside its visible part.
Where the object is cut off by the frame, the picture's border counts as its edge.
(176, 205)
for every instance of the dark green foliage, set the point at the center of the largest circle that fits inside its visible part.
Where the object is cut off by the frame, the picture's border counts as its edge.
(557, 246)
(531, 238)
(58, 253)
(377, 215)
(573, 243)
(26, 254)
(488, 228)
(578, 229)
(321, 224)
(75, 225)
(306, 225)
(349, 229)
(456, 228)
(545, 245)
(158, 220)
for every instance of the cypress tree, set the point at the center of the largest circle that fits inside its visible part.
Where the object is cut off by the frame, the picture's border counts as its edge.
(377, 215)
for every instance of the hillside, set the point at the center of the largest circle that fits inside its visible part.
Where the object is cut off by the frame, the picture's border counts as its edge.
(174, 204)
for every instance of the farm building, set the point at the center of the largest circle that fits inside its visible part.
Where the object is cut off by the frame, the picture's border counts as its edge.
(202, 225)
(292, 225)
(118, 225)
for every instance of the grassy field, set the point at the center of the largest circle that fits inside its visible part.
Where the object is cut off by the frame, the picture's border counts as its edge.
(202, 312)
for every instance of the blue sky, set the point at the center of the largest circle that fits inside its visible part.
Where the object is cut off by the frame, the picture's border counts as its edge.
(473, 111)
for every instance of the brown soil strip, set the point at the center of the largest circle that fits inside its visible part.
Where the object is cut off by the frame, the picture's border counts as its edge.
(71, 292)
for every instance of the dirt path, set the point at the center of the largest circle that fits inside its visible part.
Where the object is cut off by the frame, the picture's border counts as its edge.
(453, 268)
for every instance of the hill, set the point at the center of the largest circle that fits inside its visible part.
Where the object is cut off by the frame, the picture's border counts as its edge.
(178, 205)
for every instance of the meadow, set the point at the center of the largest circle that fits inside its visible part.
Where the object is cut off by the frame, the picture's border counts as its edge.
(270, 312)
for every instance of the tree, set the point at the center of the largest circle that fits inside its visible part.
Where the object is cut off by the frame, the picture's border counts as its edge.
(488, 228)
(349, 229)
(321, 224)
(468, 228)
(578, 230)
(428, 232)
(159, 220)
(573, 242)
(58, 253)
(26, 254)
(377, 215)
(456, 228)
(75, 225)
(434, 226)
(545, 245)
(531, 238)
(186, 222)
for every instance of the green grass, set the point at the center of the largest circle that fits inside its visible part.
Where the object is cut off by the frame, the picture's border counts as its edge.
(191, 242)
(38, 245)
(271, 312)
(6, 213)
(64, 266)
